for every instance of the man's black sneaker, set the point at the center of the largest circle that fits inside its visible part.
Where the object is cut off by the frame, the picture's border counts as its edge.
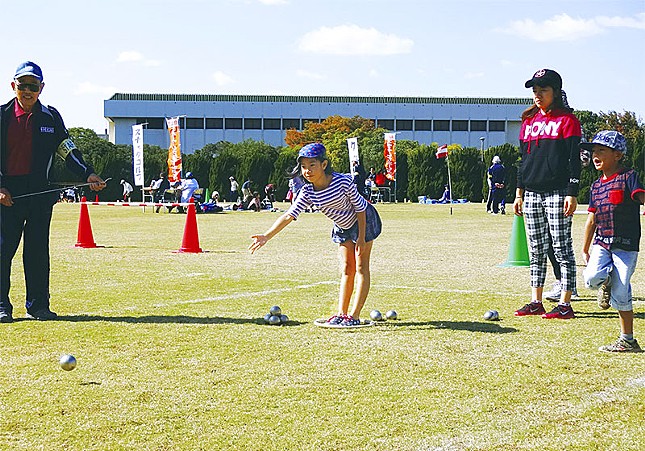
(6, 317)
(41, 315)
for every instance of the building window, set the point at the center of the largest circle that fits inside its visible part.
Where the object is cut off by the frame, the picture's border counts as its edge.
(387, 124)
(252, 124)
(459, 126)
(152, 123)
(272, 124)
(195, 123)
(233, 123)
(441, 126)
(423, 125)
(403, 124)
(291, 123)
(496, 126)
(214, 123)
(477, 126)
(304, 121)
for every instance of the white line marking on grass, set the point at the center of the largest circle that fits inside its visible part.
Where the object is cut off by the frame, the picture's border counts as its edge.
(247, 294)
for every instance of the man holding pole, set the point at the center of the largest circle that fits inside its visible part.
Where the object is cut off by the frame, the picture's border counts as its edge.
(30, 134)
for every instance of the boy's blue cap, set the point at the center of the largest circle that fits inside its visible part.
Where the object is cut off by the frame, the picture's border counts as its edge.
(609, 138)
(312, 150)
(29, 68)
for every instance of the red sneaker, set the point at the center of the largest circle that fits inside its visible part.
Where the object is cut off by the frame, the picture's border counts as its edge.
(560, 311)
(533, 308)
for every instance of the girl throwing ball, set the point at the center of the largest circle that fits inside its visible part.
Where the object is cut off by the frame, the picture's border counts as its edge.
(356, 225)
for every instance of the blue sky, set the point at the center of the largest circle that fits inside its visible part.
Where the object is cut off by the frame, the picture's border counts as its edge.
(90, 49)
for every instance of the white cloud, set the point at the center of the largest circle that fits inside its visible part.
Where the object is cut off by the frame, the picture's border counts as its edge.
(563, 27)
(90, 88)
(132, 56)
(473, 75)
(222, 79)
(309, 75)
(353, 40)
(129, 56)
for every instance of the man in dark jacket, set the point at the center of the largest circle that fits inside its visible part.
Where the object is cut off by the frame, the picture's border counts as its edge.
(30, 134)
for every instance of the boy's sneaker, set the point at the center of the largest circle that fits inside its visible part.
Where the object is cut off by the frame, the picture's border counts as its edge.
(604, 294)
(532, 308)
(622, 345)
(41, 315)
(574, 295)
(560, 311)
(556, 291)
(350, 321)
(336, 319)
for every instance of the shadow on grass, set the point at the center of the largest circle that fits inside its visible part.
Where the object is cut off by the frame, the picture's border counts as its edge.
(178, 319)
(606, 314)
(472, 326)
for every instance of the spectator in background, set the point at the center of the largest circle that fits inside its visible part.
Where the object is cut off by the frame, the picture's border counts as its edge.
(497, 177)
(160, 186)
(127, 190)
(233, 196)
(246, 189)
(380, 178)
(187, 187)
(359, 179)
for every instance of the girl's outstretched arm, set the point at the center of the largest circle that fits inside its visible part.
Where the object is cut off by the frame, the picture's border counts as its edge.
(278, 225)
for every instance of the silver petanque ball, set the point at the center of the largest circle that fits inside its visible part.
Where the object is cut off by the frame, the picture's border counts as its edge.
(376, 315)
(267, 317)
(67, 362)
(391, 314)
(275, 310)
(491, 315)
(284, 318)
(274, 320)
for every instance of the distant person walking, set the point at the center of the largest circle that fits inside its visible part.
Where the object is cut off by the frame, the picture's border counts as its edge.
(497, 176)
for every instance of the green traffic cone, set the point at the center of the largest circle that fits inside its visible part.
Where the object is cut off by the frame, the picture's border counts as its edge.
(518, 252)
(207, 198)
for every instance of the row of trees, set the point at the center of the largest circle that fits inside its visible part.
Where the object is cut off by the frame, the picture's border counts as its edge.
(419, 172)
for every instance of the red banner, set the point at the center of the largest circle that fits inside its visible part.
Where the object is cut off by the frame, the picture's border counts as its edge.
(389, 151)
(174, 150)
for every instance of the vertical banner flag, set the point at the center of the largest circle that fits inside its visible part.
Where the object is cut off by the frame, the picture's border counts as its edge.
(174, 150)
(137, 154)
(352, 147)
(389, 151)
(442, 151)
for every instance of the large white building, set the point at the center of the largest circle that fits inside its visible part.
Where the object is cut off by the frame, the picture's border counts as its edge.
(212, 118)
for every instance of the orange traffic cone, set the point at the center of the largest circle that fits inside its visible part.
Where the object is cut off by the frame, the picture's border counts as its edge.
(85, 238)
(190, 243)
(96, 199)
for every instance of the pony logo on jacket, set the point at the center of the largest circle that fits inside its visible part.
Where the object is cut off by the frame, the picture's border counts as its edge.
(44, 129)
(539, 128)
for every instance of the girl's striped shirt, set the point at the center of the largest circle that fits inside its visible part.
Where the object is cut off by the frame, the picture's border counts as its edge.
(340, 201)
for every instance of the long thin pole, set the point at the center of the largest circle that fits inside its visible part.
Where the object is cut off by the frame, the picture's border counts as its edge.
(56, 189)
(449, 182)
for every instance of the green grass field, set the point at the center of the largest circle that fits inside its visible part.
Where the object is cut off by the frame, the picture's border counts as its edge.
(173, 353)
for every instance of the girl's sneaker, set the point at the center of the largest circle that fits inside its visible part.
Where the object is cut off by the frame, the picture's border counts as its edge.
(560, 311)
(336, 319)
(532, 308)
(622, 345)
(350, 321)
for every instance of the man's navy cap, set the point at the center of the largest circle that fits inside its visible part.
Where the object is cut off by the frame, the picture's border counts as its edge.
(312, 150)
(29, 68)
(545, 77)
(610, 138)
